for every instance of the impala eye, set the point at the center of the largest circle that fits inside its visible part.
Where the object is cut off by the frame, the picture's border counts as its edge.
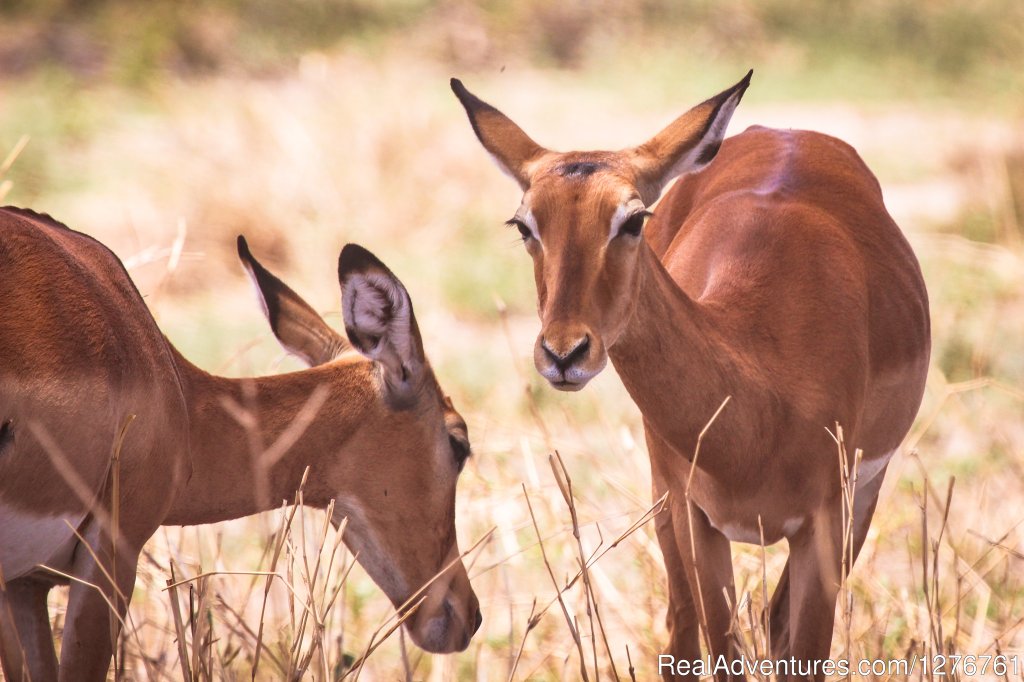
(634, 224)
(524, 231)
(460, 450)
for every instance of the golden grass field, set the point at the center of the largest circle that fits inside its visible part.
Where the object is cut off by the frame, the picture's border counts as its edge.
(369, 146)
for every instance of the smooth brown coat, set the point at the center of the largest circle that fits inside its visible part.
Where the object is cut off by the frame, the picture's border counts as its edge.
(80, 356)
(773, 277)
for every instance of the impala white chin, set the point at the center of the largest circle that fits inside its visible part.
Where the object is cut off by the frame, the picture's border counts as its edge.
(570, 379)
(445, 631)
(447, 611)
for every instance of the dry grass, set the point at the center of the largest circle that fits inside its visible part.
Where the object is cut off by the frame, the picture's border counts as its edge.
(350, 148)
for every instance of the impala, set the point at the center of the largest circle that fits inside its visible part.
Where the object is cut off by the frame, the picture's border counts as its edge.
(773, 276)
(80, 354)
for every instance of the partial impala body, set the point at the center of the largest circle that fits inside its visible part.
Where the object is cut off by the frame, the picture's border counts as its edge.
(80, 354)
(773, 276)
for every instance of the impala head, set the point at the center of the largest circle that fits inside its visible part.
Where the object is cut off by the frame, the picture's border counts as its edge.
(582, 218)
(398, 490)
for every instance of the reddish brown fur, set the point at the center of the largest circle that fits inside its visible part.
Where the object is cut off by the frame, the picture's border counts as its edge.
(79, 353)
(774, 277)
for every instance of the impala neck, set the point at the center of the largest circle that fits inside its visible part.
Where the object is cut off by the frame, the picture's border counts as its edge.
(236, 426)
(674, 361)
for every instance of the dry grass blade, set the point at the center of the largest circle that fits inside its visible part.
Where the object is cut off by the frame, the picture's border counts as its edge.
(283, 531)
(558, 591)
(565, 486)
(376, 639)
(13, 155)
(409, 607)
(248, 636)
(531, 623)
(953, 182)
(89, 498)
(115, 525)
(179, 628)
(702, 611)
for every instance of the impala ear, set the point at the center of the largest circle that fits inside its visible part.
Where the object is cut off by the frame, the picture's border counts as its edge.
(512, 149)
(379, 318)
(296, 325)
(687, 144)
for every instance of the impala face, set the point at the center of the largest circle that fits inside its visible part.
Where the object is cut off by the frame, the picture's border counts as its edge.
(395, 478)
(401, 519)
(581, 221)
(582, 218)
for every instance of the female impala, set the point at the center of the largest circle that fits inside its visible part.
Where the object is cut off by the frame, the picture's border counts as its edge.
(79, 353)
(776, 277)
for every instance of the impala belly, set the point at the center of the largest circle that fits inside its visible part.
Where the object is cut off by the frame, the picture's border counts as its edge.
(868, 469)
(735, 522)
(27, 541)
(743, 530)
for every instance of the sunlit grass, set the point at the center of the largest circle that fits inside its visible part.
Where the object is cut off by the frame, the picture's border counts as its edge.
(349, 148)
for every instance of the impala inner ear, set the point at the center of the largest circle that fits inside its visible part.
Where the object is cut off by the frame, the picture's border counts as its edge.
(379, 318)
(687, 144)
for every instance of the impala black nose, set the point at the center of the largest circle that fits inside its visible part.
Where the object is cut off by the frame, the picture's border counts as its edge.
(479, 620)
(566, 359)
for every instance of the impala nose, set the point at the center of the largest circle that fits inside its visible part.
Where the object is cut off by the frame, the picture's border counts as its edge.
(566, 356)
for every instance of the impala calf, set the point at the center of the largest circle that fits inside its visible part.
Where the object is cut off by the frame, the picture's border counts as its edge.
(773, 276)
(80, 353)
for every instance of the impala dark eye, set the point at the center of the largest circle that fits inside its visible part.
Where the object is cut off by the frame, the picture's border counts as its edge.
(460, 450)
(524, 231)
(634, 224)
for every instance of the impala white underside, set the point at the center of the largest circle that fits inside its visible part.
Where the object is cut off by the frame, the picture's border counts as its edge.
(26, 541)
(866, 472)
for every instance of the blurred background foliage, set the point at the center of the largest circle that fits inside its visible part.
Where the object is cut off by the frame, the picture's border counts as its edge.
(308, 123)
(945, 48)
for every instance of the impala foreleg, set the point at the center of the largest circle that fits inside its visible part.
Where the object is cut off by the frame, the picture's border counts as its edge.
(707, 561)
(97, 603)
(26, 642)
(681, 617)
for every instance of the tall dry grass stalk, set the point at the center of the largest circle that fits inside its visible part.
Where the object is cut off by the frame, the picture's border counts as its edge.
(277, 595)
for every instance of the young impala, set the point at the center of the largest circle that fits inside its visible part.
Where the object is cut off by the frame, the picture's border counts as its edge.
(80, 353)
(773, 276)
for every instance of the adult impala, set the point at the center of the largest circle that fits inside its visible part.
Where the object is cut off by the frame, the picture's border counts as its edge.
(774, 276)
(79, 353)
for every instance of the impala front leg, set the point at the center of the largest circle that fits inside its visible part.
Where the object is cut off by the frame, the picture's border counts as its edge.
(95, 607)
(26, 642)
(681, 617)
(707, 559)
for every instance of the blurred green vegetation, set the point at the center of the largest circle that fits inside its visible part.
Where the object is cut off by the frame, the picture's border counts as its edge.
(948, 48)
(308, 123)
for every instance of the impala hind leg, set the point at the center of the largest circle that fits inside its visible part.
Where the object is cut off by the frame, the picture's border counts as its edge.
(814, 577)
(777, 634)
(95, 607)
(26, 642)
(780, 616)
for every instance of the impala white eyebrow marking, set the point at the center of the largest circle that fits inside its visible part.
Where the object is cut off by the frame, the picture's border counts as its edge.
(531, 222)
(525, 216)
(623, 212)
